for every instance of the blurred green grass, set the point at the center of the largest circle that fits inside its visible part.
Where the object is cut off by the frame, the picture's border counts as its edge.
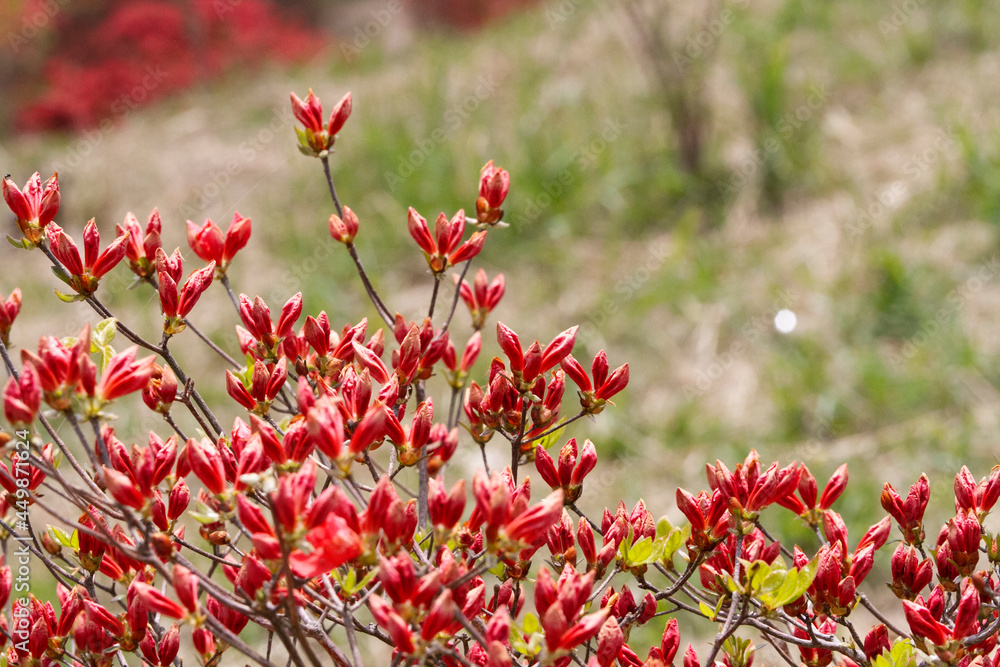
(893, 365)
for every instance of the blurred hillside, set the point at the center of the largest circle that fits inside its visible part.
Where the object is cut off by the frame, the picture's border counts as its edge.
(678, 176)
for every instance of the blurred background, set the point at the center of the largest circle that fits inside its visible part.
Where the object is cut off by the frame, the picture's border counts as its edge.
(681, 172)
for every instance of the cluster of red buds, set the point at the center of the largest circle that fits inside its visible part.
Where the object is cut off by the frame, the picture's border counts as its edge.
(342, 512)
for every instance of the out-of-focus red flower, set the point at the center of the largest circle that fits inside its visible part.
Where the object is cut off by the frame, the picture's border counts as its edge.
(161, 390)
(333, 544)
(9, 309)
(59, 367)
(124, 375)
(35, 206)
(482, 296)
(494, 183)
(344, 230)
(22, 398)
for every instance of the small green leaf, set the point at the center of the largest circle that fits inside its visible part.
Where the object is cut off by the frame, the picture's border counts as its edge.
(61, 537)
(709, 613)
(640, 552)
(70, 298)
(664, 527)
(902, 654)
(547, 441)
(531, 624)
(793, 585)
(207, 517)
(61, 274)
(17, 243)
(104, 332)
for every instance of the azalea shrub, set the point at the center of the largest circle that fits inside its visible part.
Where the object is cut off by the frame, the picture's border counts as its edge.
(82, 66)
(330, 518)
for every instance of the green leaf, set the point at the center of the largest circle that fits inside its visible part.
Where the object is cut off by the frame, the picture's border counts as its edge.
(61, 537)
(902, 654)
(104, 332)
(70, 298)
(206, 517)
(547, 441)
(17, 243)
(640, 552)
(61, 274)
(757, 573)
(675, 541)
(793, 585)
(709, 612)
(531, 624)
(664, 527)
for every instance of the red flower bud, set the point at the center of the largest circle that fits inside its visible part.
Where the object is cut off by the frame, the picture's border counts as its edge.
(346, 229)
(206, 463)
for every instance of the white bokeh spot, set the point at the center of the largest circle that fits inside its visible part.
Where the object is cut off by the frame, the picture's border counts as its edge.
(785, 321)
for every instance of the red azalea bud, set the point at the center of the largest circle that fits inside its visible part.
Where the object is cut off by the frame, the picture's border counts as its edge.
(546, 468)
(122, 489)
(346, 229)
(206, 463)
(186, 587)
(609, 642)
(587, 462)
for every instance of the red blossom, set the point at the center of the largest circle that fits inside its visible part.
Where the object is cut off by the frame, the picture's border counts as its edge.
(482, 297)
(594, 396)
(494, 183)
(9, 309)
(445, 247)
(344, 229)
(141, 247)
(909, 514)
(83, 274)
(316, 138)
(211, 245)
(34, 207)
